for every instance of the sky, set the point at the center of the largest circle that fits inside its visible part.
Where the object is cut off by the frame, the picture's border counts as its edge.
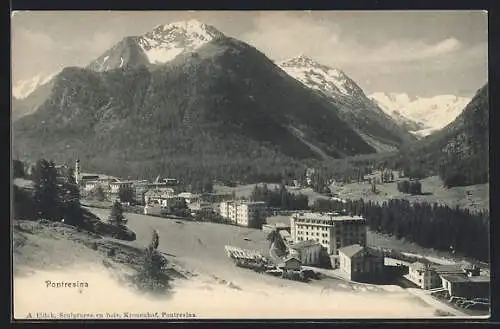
(421, 53)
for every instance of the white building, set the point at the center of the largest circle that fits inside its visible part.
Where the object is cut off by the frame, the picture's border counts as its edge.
(243, 213)
(332, 231)
(428, 276)
(189, 197)
(199, 205)
(159, 196)
(114, 187)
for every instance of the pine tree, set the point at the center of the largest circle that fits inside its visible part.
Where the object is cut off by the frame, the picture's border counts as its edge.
(126, 194)
(70, 199)
(116, 215)
(45, 192)
(98, 193)
(18, 169)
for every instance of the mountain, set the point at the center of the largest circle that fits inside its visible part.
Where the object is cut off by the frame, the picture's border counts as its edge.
(421, 116)
(159, 46)
(218, 108)
(460, 151)
(355, 108)
(23, 88)
(29, 104)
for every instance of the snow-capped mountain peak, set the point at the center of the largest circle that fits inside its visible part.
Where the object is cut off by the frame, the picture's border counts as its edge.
(320, 77)
(430, 113)
(167, 41)
(23, 88)
(158, 46)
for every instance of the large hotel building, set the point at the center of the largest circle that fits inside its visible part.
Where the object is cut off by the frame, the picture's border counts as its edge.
(331, 230)
(243, 213)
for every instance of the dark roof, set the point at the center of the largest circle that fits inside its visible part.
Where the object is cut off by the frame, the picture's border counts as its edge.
(448, 269)
(289, 258)
(455, 278)
(304, 244)
(479, 278)
(90, 176)
(463, 278)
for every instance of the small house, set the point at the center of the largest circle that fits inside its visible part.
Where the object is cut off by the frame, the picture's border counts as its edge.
(360, 263)
(291, 263)
(423, 275)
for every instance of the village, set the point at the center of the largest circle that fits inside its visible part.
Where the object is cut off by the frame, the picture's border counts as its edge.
(303, 244)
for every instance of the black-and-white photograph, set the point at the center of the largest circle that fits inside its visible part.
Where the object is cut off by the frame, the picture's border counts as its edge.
(193, 165)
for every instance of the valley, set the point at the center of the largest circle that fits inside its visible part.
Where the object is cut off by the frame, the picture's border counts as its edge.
(213, 173)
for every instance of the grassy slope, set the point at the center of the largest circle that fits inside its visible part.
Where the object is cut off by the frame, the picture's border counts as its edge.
(50, 246)
(432, 188)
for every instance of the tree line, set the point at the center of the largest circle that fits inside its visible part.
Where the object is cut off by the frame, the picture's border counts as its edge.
(429, 225)
(279, 197)
(410, 187)
(56, 196)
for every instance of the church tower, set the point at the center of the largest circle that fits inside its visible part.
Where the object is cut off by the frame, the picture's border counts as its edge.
(77, 171)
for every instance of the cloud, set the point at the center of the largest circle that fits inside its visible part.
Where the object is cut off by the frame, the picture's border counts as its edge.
(283, 35)
(23, 36)
(406, 50)
(100, 41)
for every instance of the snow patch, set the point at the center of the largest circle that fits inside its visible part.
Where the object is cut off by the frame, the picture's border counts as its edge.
(24, 88)
(162, 55)
(166, 42)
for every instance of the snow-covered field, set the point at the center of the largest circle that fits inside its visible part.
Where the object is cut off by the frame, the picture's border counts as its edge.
(216, 288)
(207, 298)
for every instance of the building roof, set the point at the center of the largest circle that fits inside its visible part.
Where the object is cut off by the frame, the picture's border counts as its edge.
(448, 269)
(123, 182)
(418, 266)
(289, 258)
(187, 195)
(351, 250)
(88, 182)
(479, 278)
(464, 278)
(159, 193)
(455, 278)
(89, 176)
(354, 249)
(326, 217)
(440, 269)
(304, 244)
(284, 233)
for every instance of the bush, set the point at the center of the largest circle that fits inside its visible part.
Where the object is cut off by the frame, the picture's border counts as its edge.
(112, 252)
